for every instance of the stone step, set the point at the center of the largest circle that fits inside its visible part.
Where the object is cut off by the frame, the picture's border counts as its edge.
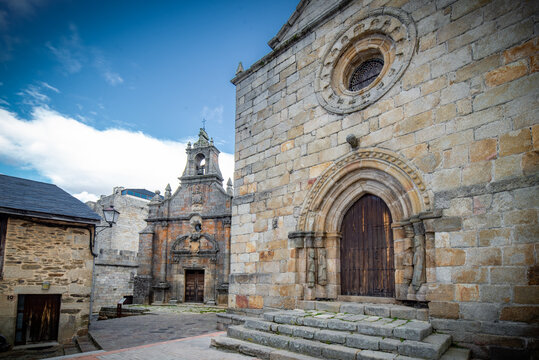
(454, 353)
(362, 324)
(383, 310)
(259, 351)
(345, 344)
(86, 344)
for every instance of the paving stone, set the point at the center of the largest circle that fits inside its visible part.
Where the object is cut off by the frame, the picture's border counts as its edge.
(328, 306)
(287, 355)
(454, 353)
(307, 305)
(378, 310)
(234, 331)
(363, 341)
(353, 317)
(443, 340)
(277, 341)
(413, 330)
(336, 337)
(304, 332)
(316, 322)
(432, 347)
(403, 312)
(389, 344)
(285, 318)
(259, 351)
(286, 329)
(258, 325)
(352, 308)
(325, 316)
(336, 324)
(339, 352)
(305, 347)
(226, 342)
(375, 328)
(114, 334)
(375, 355)
(269, 316)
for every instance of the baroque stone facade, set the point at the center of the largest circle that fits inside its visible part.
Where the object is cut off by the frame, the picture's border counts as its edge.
(184, 251)
(117, 246)
(445, 133)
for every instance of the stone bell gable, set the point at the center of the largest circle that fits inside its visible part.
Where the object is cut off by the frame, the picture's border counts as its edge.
(387, 151)
(184, 250)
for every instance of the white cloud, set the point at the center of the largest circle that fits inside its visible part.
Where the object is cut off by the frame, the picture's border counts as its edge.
(50, 87)
(35, 94)
(86, 196)
(88, 162)
(67, 57)
(112, 78)
(212, 114)
(73, 55)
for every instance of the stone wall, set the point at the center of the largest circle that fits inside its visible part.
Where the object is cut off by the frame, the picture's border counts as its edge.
(454, 138)
(114, 275)
(54, 252)
(124, 234)
(117, 247)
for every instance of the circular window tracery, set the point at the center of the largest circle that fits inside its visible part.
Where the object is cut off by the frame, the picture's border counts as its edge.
(366, 60)
(365, 74)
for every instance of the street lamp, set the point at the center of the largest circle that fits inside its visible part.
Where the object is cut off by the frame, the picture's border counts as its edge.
(111, 215)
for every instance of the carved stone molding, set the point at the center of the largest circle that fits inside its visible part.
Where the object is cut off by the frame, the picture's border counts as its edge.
(191, 248)
(388, 34)
(376, 170)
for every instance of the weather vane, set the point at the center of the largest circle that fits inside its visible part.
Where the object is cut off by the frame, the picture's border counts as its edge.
(204, 124)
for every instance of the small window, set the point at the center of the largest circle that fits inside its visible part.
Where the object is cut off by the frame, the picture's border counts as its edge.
(365, 74)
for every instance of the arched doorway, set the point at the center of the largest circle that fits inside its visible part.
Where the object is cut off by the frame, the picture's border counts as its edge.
(318, 236)
(367, 265)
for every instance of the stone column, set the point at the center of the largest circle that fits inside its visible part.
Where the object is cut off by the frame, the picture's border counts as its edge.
(418, 277)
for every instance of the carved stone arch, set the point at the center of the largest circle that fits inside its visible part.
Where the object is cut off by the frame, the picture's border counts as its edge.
(375, 171)
(179, 250)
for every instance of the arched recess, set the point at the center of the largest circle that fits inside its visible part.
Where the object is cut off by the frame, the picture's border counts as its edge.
(379, 172)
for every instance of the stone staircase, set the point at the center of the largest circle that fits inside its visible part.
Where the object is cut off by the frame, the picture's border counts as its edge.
(360, 332)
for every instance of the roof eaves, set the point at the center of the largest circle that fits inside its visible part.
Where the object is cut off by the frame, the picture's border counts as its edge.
(280, 47)
(40, 215)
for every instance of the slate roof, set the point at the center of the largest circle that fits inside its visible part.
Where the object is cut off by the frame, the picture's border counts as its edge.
(33, 198)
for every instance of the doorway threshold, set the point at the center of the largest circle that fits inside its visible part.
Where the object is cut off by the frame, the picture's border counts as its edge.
(367, 299)
(36, 345)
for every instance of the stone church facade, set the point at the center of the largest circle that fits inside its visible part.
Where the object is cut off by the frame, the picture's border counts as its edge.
(184, 251)
(388, 150)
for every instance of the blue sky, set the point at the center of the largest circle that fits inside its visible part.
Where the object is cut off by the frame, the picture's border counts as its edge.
(80, 80)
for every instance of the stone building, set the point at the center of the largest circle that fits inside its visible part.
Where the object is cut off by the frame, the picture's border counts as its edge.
(46, 239)
(387, 150)
(117, 246)
(184, 252)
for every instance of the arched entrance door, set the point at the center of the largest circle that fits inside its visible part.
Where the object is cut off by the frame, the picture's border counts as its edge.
(367, 266)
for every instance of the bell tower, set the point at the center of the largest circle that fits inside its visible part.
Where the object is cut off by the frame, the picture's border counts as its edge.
(202, 162)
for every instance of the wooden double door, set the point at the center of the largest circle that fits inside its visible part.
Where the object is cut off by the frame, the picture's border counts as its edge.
(367, 265)
(38, 317)
(194, 286)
